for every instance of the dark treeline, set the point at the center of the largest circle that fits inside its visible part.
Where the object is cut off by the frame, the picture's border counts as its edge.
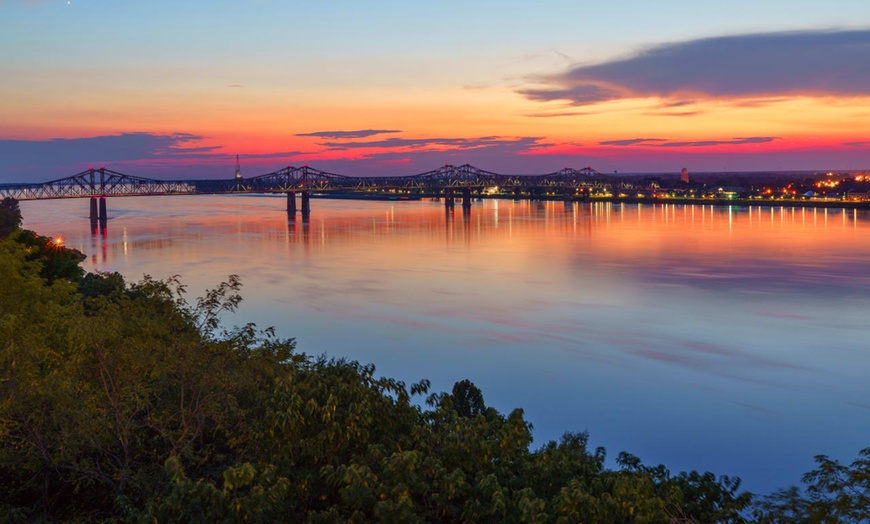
(126, 402)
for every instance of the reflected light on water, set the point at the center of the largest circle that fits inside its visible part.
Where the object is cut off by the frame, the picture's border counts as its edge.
(724, 338)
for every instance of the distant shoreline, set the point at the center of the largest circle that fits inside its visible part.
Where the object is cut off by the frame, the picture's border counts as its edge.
(719, 202)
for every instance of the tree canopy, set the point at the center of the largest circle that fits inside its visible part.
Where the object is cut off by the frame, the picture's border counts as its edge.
(10, 216)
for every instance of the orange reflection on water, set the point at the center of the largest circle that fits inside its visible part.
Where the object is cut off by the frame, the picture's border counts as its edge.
(202, 227)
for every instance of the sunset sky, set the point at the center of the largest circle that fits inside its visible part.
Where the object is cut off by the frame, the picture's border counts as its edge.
(177, 89)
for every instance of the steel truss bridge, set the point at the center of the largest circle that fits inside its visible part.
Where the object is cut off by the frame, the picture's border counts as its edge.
(105, 182)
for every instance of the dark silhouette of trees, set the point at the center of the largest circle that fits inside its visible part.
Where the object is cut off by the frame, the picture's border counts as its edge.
(55, 260)
(467, 399)
(10, 216)
(834, 493)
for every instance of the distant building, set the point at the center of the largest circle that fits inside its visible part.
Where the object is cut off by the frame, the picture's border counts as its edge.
(732, 192)
(684, 175)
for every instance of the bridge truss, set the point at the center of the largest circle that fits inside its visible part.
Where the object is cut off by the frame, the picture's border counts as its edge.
(102, 181)
(95, 182)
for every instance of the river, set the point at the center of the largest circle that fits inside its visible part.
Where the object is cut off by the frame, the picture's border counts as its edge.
(727, 339)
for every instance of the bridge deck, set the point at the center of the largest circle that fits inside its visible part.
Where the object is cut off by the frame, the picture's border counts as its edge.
(99, 182)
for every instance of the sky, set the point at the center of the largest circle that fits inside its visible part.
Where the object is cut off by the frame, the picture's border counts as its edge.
(177, 89)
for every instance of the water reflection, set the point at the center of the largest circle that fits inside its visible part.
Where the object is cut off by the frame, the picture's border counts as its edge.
(723, 338)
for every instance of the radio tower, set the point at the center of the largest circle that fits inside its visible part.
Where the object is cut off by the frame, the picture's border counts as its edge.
(238, 168)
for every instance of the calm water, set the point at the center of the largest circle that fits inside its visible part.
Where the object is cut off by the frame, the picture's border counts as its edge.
(725, 339)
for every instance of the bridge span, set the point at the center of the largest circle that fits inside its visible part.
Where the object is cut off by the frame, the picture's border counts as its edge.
(105, 182)
(446, 181)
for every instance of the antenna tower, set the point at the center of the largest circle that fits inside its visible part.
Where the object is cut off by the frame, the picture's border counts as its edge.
(238, 168)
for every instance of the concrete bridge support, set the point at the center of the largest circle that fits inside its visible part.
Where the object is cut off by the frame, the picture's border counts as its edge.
(448, 198)
(95, 214)
(466, 198)
(306, 203)
(104, 217)
(291, 203)
(99, 216)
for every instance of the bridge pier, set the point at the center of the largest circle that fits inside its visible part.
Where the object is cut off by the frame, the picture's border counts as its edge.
(104, 217)
(466, 198)
(291, 203)
(448, 198)
(306, 204)
(94, 214)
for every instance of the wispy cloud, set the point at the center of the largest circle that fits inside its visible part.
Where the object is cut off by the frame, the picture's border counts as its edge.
(757, 66)
(733, 141)
(630, 141)
(679, 103)
(674, 113)
(861, 143)
(662, 142)
(361, 133)
(556, 114)
(436, 143)
(476, 87)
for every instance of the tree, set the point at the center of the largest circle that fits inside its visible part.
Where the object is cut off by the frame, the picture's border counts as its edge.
(707, 498)
(834, 493)
(467, 399)
(94, 400)
(56, 260)
(100, 284)
(10, 216)
(35, 321)
(784, 506)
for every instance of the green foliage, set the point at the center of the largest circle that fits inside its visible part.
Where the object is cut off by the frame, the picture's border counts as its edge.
(56, 261)
(98, 392)
(835, 493)
(710, 499)
(785, 506)
(107, 285)
(35, 321)
(10, 216)
(467, 399)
